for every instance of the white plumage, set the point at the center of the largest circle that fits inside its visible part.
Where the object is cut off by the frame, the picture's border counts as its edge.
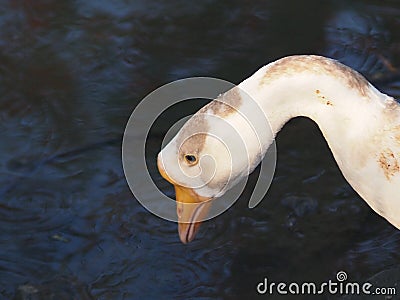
(360, 124)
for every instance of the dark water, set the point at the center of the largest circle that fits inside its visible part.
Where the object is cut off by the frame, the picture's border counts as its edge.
(72, 72)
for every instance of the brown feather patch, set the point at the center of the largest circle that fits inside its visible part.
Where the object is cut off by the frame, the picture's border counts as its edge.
(389, 164)
(226, 104)
(293, 65)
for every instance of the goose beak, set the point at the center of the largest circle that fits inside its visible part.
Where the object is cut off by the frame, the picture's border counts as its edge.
(191, 208)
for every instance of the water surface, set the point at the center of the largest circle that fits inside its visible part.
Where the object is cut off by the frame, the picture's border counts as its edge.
(72, 72)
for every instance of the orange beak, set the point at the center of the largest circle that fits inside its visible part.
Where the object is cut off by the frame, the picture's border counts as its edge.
(191, 208)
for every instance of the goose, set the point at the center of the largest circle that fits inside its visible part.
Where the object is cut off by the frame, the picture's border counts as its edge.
(227, 138)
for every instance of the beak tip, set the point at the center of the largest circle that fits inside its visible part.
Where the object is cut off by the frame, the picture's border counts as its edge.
(187, 232)
(185, 242)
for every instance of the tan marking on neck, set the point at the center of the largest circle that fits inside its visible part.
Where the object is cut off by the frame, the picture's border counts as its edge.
(389, 164)
(226, 104)
(323, 99)
(293, 65)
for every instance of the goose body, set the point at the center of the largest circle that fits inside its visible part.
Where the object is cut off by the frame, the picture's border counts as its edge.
(360, 124)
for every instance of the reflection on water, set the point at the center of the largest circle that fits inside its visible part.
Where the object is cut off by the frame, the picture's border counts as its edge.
(71, 73)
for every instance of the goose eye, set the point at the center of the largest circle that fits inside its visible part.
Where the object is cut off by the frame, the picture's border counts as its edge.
(191, 159)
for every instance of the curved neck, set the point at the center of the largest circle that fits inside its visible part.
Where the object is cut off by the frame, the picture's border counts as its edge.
(317, 95)
(343, 104)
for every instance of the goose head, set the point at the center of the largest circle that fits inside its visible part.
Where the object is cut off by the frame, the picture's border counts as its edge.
(216, 147)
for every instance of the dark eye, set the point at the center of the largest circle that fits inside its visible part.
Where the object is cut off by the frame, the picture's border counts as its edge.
(191, 159)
